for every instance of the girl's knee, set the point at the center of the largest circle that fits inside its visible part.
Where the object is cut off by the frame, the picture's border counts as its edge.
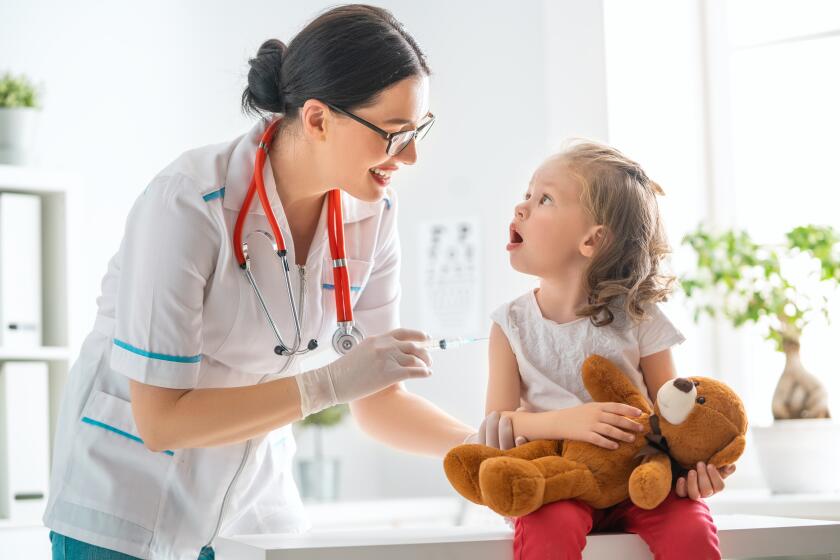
(688, 539)
(680, 529)
(564, 513)
(555, 531)
(697, 544)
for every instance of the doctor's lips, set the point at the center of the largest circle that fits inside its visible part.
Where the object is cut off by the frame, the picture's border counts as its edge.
(515, 238)
(382, 175)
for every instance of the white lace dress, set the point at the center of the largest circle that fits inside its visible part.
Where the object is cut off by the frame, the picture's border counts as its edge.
(550, 354)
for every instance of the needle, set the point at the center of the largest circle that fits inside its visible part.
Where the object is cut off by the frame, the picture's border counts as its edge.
(450, 343)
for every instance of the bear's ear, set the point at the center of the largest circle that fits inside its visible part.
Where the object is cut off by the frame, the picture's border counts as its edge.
(730, 453)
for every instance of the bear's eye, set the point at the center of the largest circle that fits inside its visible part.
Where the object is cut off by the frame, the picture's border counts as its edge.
(696, 383)
(701, 400)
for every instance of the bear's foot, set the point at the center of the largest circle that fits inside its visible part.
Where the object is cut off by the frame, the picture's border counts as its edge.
(461, 466)
(516, 487)
(511, 486)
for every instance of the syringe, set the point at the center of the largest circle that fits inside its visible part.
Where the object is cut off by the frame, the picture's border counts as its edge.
(450, 343)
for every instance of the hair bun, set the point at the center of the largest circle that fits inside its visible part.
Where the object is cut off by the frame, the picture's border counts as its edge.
(264, 93)
(274, 48)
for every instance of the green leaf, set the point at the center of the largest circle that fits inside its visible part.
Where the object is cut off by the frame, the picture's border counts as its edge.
(17, 92)
(722, 283)
(327, 417)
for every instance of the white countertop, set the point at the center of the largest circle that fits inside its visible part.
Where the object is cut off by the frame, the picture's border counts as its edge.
(412, 517)
(740, 536)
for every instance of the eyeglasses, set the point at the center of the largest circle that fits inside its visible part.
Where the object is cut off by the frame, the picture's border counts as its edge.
(397, 141)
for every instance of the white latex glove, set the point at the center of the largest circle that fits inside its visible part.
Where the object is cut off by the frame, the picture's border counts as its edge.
(496, 431)
(377, 362)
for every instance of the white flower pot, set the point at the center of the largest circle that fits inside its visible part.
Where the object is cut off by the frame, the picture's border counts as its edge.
(17, 133)
(799, 456)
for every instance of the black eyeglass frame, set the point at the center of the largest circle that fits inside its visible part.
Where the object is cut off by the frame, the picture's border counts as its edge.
(416, 134)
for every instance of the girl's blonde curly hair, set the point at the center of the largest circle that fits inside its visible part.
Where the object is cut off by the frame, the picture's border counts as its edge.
(625, 269)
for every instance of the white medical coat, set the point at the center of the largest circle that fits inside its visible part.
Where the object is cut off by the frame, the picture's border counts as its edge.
(177, 311)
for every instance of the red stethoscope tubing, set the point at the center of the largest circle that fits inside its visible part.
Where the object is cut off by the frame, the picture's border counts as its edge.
(341, 277)
(335, 227)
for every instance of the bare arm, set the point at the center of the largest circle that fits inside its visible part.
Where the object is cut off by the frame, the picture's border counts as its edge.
(504, 392)
(593, 422)
(408, 422)
(503, 383)
(184, 418)
(657, 369)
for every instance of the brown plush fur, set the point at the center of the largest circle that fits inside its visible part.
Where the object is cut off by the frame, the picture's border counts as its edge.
(518, 481)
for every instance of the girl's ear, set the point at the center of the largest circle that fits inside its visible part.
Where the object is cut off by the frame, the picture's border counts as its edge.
(314, 117)
(592, 240)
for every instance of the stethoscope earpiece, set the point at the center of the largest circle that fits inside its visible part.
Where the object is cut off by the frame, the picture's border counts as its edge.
(281, 350)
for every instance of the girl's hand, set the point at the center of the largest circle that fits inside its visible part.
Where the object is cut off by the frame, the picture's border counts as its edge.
(599, 423)
(706, 481)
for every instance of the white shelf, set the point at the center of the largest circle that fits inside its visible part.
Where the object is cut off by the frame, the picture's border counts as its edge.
(762, 502)
(56, 190)
(19, 178)
(35, 354)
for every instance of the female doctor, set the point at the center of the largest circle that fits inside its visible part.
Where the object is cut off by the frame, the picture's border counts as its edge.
(176, 420)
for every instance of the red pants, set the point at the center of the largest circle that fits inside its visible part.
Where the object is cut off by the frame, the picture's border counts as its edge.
(679, 529)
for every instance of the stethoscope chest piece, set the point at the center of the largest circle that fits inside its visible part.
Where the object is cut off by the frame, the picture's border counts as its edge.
(347, 338)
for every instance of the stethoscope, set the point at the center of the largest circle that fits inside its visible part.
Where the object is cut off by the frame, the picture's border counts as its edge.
(347, 335)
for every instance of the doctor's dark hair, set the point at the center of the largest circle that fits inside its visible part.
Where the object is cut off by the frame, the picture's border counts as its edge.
(346, 57)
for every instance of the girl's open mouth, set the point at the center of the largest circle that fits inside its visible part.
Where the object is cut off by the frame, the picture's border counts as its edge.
(515, 239)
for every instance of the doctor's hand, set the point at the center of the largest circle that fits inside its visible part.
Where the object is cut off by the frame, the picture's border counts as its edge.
(376, 363)
(496, 431)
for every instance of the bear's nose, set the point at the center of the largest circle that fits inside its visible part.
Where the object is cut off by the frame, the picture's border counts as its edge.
(683, 384)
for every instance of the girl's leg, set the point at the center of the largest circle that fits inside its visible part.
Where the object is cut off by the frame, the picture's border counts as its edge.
(679, 529)
(556, 531)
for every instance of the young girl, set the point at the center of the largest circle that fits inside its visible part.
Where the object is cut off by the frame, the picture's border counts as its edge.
(589, 228)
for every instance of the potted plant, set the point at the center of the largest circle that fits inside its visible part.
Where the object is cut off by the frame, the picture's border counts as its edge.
(318, 475)
(780, 288)
(18, 109)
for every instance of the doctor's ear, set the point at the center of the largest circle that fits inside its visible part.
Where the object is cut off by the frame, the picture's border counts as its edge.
(313, 119)
(592, 241)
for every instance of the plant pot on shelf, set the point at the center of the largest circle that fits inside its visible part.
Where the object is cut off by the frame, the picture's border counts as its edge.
(799, 456)
(318, 478)
(798, 453)
(17, 133)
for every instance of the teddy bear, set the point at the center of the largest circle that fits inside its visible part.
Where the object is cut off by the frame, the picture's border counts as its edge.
(694, 419)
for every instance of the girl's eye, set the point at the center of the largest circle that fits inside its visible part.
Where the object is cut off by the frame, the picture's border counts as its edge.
(527, 196)
(544, 198)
